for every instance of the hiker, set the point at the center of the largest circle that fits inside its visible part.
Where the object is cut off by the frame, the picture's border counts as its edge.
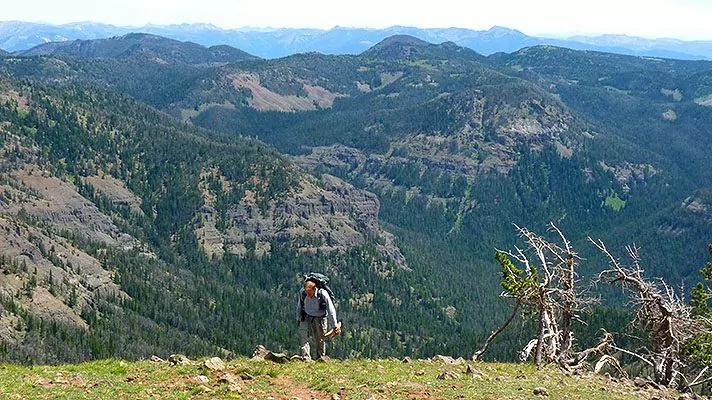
(313, 316)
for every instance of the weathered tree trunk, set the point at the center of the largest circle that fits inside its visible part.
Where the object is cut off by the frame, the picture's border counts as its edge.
(567, 309)
(547, 286)
(538, 354)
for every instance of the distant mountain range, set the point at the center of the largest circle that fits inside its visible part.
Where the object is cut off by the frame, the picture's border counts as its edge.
(275, 43)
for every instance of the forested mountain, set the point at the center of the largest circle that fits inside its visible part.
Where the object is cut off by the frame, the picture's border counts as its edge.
(142, 209)
(147, 46)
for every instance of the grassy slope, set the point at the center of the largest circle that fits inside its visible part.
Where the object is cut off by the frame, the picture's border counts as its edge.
(349, 379)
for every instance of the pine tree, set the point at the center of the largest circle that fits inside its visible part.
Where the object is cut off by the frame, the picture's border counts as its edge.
(699, 348)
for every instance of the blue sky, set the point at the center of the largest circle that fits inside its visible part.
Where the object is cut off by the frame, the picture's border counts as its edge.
(682, 19)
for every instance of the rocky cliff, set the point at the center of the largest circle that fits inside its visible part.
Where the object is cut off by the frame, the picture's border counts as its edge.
(325, 214)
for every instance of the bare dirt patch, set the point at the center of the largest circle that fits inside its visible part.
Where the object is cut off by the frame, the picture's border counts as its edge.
(284, 387)
(264, 99)
(321, 96)
(389, 77)
(15, 96)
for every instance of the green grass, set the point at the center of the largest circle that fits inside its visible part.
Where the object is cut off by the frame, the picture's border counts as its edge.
(351, 379)
(614, 202)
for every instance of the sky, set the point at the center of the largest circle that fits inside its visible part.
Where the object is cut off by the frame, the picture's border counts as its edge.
(680, 19)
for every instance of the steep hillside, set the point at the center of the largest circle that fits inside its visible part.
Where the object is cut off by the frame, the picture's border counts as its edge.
(457, 148)
(127, 233)
(666, 98)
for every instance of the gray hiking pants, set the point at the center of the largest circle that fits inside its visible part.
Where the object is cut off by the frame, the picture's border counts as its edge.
(313, 327)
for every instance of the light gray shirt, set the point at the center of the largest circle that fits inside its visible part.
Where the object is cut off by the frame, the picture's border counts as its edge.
(311, 306)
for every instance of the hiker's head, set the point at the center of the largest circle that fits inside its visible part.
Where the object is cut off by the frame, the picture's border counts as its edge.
(310, 288)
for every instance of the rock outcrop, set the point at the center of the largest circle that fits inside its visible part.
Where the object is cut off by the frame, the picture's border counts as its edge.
(322, 215)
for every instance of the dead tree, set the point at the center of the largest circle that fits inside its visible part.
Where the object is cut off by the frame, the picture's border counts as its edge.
(546, 286)
(666, 318)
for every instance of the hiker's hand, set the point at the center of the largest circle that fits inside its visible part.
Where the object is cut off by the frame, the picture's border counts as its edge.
(337, 330)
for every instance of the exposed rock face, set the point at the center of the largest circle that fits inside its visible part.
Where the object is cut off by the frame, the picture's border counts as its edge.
(328, 215)
(336, 156)
(56, 202)
(115, 191)
(626, 172)
(56, 279)
(700, 206)
(48, 275)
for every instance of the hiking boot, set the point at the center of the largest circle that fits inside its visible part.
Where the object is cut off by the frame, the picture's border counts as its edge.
(323, 359)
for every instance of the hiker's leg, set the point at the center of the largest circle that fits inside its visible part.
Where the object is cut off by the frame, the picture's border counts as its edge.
(319, 330)
(304, 338)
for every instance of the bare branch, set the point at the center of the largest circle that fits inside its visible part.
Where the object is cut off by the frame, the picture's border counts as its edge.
(694, 381)
(630, 353)
(697, 382)
(664, 315)
(603, 345)
(494, 334)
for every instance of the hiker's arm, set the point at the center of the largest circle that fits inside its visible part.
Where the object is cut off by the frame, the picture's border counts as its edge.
(330, 311)
(299, 308)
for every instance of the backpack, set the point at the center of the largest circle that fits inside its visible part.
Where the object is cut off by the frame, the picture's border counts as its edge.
(322, 282)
